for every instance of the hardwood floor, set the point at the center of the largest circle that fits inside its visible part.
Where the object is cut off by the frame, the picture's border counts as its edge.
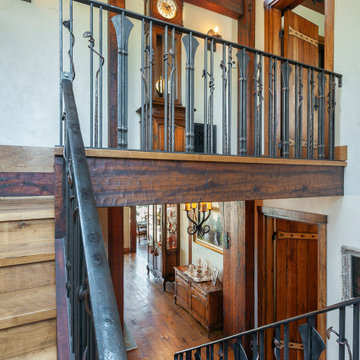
(158, 325)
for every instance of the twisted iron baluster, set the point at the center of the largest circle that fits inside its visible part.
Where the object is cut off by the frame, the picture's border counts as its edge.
(225, 125)
(150, 60)
(89, 35)
(67, 25)
(299, 112)
(331, 111)
(259, 94)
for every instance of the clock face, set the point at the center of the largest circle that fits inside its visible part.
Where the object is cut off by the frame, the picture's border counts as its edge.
(167, 8)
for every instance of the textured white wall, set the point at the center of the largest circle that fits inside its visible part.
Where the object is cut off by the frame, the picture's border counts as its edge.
(29, 74)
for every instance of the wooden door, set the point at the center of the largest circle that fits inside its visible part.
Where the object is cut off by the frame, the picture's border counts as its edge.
(301, 43)
(295, 275)
(301, 39)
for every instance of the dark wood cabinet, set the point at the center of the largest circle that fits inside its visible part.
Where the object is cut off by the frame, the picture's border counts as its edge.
(203, 301)
(163, 241)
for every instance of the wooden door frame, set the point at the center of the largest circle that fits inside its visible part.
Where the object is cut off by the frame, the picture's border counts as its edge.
(263, 214)
(274, 8)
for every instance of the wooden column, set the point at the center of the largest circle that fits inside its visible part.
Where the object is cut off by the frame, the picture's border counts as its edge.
(246, 36)
(272, 30)
(238, 278)
(329, 34)
(133, 229)
(116, 254)
(112, 76)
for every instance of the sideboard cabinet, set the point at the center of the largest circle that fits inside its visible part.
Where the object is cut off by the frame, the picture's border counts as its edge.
(204, 301)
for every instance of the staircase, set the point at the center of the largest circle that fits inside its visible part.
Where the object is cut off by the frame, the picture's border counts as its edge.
(27, 278)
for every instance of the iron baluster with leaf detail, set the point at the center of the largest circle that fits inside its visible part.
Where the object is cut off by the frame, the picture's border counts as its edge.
(191, 45)
(123, 27)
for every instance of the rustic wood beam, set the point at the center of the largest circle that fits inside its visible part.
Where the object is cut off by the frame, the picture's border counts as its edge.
(282, 4)
(230, 8)
(329, 35)
(246, 36)
(141, 181)
(318, 6)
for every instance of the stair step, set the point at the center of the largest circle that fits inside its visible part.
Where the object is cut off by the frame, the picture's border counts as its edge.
(26, 253)
(49, 353)
(26, 276)
(26, 159)
(23, 339)
(26, 208)
(27, 306)
(27, 231)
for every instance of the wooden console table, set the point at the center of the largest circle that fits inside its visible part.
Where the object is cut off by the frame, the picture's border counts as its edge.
(203, 301)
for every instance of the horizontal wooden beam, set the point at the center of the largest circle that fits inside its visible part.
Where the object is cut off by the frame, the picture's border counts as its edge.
(282, 4)
(230, 8)
(129, 182)
(293, 215)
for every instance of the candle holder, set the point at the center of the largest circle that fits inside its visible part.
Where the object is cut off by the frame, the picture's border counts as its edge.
(199, 216)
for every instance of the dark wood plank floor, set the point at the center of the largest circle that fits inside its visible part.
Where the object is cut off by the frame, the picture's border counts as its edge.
(158, 325)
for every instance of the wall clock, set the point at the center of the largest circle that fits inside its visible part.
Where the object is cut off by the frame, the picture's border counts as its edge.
(167, 8)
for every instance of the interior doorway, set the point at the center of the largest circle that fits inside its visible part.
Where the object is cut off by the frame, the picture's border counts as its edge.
(291, 270)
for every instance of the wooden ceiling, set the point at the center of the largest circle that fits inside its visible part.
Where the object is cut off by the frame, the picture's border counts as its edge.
(231, 8)
(316, 5)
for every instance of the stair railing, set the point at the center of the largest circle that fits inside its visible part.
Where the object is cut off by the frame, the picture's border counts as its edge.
(256, 343)
(95, 328)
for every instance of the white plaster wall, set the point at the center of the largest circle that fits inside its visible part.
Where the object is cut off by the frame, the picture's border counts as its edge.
(29, 76)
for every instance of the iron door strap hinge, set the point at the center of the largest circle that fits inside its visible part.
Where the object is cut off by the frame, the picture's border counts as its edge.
(227, 240)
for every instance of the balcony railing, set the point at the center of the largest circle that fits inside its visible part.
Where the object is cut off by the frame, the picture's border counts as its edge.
(277, 340)
(265, 105)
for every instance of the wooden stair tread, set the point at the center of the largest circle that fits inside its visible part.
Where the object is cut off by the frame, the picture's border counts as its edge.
(26, 253)
(49, 353)
(26, 159)
(26, 208)
(27, 306)
(27, 231)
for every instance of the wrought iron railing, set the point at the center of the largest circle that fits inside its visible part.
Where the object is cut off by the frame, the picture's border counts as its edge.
(95, 328)
(276, 341)
(271, 106)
